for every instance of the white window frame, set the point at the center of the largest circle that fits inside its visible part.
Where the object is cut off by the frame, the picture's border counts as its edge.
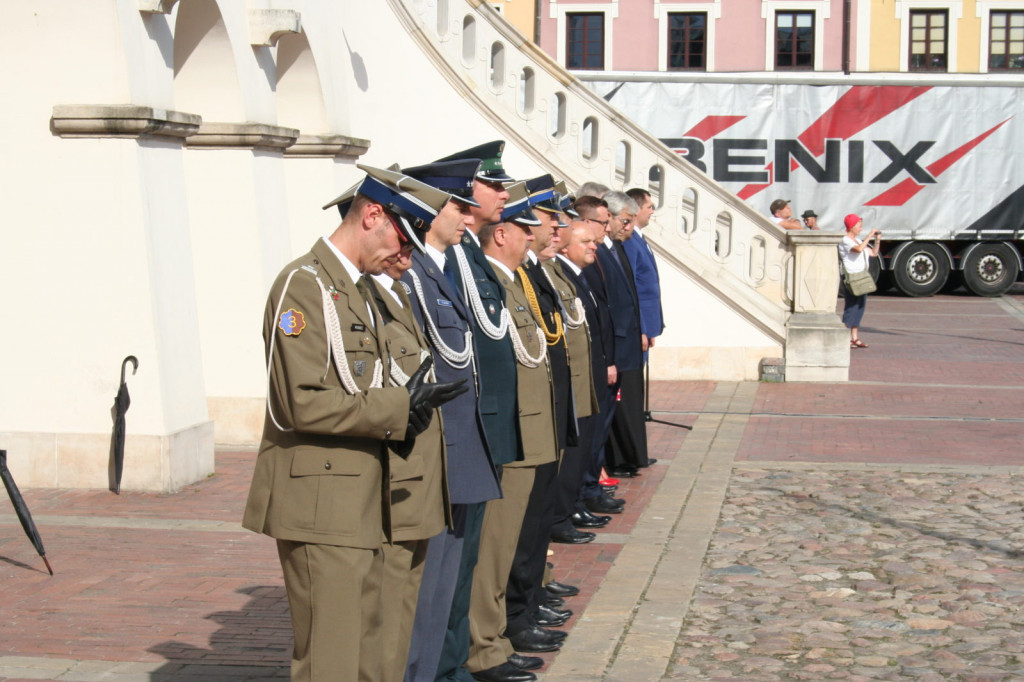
(558, 12)
(983, 10)
(954, 11)
(770, 8)
(713, 10)
(862, 22)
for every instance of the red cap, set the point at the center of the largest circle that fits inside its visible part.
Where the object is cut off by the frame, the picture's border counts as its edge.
(851, 220)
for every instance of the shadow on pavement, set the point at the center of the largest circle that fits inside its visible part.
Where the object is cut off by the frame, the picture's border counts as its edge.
(259, 631)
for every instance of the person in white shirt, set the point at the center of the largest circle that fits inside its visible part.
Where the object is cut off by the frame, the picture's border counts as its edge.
(854, 253)
(782, 215)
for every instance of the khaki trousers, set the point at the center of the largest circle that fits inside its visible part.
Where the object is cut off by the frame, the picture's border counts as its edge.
(403, 571)
(334, 594)
(503, 519)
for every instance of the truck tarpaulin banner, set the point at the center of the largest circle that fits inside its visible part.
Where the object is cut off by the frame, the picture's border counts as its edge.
(919, 162)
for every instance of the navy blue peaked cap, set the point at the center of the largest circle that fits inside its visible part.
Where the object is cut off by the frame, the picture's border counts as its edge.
(454, 177)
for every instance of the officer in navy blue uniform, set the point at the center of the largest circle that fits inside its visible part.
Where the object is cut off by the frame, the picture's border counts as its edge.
(472, 476)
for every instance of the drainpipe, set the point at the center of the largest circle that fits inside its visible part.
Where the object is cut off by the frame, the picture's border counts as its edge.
(846, 37)
(536, 22)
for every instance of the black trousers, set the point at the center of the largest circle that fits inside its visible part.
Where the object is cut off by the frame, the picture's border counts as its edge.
(627, 443)
(602, 427)
(525, 581)
(576, 460)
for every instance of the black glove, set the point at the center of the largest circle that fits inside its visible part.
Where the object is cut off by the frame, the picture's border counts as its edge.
(424, 398)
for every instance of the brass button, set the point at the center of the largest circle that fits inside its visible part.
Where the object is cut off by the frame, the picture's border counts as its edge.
(327, 466)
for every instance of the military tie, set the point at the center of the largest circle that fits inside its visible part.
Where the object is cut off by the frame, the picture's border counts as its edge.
(362, 286)
(449, 273)
(403, 298)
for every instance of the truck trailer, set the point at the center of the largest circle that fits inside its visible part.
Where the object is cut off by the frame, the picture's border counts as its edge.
(939, 168)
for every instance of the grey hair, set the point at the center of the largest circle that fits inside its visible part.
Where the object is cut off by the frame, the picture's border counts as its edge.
(592, 189)
(619, 201)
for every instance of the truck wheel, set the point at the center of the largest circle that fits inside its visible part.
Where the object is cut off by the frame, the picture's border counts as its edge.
(921, 269)
(990, 269)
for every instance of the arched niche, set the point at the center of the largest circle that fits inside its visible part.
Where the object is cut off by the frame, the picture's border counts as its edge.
(205, 74)
(300, 102)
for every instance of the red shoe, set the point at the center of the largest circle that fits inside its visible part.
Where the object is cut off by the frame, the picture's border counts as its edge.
(609, 481)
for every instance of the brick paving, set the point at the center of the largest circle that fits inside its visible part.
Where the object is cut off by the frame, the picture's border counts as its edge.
(868, 530)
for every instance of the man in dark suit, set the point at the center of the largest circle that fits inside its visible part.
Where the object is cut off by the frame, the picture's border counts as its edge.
(580, 251)
(321, 481)
(609, 285)
(627, 443)
(472, 477)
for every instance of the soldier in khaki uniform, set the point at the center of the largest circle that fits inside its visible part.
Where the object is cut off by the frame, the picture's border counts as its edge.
(323, 464)
(505, 245)
(419, 492)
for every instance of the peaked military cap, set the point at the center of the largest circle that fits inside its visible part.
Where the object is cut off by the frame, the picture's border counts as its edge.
(454, 177)
(517, 208)
(543, 198)
(413, 204)
(542, 191)
(489, 154)
(565, 199)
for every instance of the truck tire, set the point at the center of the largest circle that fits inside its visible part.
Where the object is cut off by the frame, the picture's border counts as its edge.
(990, 269)
(921, 269)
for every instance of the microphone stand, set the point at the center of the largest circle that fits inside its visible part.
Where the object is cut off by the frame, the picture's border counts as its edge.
(647, 402)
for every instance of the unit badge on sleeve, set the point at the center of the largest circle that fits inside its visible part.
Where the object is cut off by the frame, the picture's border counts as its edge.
(292, 322)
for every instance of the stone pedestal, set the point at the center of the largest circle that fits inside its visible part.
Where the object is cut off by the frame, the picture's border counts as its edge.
(817, 343)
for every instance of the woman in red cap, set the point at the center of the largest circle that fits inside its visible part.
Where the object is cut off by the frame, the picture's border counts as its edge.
(854, 254)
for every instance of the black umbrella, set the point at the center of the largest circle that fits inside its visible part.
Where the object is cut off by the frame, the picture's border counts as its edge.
(21, 509)
(121, 403)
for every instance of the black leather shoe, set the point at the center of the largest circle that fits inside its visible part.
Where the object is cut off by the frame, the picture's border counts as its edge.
(616, 500)
(624, 472)
(553, 601)
(650, 461)
(547, 617)
(571, 536)
(603, 505)
(526, 662)
(536, 639)
(506, 672)
(587, 520)
(561, 590)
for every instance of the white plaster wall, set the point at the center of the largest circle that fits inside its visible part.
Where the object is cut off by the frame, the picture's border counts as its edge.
(118, 246)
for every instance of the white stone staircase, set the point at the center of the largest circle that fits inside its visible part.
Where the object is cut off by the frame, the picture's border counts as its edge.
(701, 229)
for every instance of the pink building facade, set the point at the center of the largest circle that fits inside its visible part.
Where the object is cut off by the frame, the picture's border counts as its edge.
(702, 36)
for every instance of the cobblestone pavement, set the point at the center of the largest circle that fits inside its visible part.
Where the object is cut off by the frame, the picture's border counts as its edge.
(861, 575)
(860, 531)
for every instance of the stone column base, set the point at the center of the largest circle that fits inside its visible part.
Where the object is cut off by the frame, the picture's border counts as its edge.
(817, 348)
(83, 460)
